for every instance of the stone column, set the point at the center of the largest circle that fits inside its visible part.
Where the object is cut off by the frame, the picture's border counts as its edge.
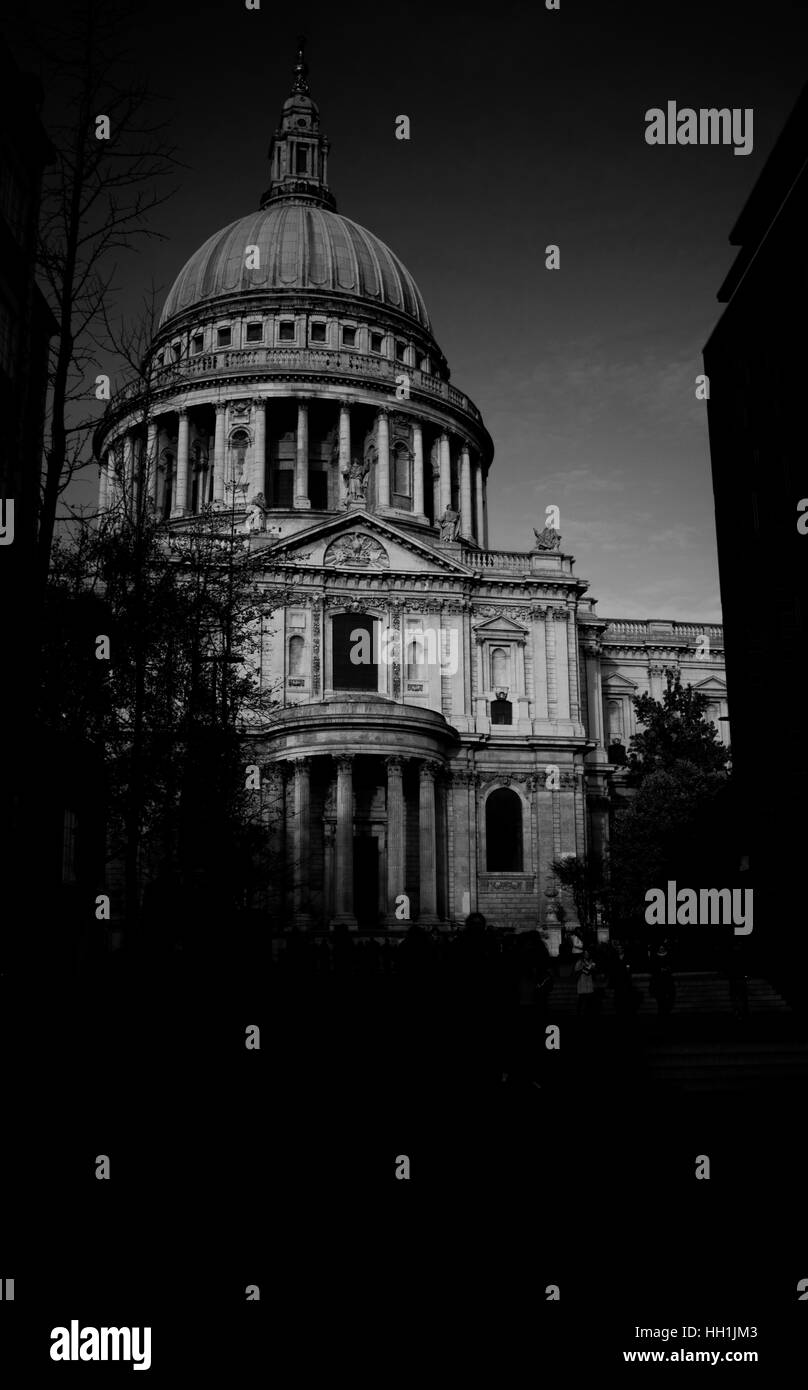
(301, 499)
(485, 514)
(550, 651)
(417, 470)
(258, 473)
(103, 480)
(219, 451)
(478, 495)
(427, 846)
(465, 492)
(179, 501)
(343, 893)
(436, 492)
(572, 654)
(656, 679)
(344, 450)
(150, 471)
(383, 462)
(129, 469)
(395, 835)
(594, 698)
(300, 869)
(274, 818)
(445, 474)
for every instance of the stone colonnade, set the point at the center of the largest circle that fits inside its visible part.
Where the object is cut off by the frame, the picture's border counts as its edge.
(183, 466)
(295, 820)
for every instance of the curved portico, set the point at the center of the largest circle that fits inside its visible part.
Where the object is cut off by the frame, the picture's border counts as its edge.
(360, 786)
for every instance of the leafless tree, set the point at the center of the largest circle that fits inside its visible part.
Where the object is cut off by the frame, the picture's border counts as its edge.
(111, 174)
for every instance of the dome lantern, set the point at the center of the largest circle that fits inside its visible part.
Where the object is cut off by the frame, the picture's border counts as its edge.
(298, 153)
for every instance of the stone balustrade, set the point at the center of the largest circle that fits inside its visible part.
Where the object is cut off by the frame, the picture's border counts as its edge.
(231, 361)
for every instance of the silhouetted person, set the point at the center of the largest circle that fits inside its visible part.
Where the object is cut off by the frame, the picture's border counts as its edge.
(585, 984)
(663, 985)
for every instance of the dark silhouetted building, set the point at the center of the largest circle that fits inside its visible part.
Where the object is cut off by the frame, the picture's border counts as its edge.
(757, 361)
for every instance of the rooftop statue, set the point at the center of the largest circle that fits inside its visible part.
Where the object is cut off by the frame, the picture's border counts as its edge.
(548, 539)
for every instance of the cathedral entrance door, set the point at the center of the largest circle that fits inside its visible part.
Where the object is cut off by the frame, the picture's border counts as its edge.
(366, 882)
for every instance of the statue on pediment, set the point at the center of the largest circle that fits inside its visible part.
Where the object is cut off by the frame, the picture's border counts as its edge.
(256, 515)
(450, 525)
(357, 477)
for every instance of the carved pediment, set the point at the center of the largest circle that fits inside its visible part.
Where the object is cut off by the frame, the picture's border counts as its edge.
(500, 628)
(617, 684)
(357, 550)
(712, 685)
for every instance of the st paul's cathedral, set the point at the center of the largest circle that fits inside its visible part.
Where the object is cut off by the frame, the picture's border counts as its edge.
(446, 719)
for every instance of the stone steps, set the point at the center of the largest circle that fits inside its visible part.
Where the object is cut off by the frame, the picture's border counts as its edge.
(695, 994)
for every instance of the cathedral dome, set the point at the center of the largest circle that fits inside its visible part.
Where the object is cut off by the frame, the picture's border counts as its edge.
(301, 246)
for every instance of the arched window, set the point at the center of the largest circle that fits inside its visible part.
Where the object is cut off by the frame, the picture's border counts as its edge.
(500, 669)
(415, 660)
(503, 832)
(296, 646)
(354, 660)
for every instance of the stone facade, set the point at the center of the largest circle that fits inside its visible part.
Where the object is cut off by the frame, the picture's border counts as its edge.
(442, 713)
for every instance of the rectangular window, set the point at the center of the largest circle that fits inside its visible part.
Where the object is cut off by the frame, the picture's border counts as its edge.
(224, 337)
(317, 333)
(318, 491)
(349, 337)
(282, 480)
(286, 331)
(400, 350)
(302, 159)
(375, 342)
(197, 343)
(255, 332)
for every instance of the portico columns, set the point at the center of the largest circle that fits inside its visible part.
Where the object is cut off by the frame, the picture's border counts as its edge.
(465, 492)
(129, 470)
(343, 894)
(427, 846)
(180, 498)
(383, 462)
(103, 480)
(344, 450)
(417, 470)
(151, 461)
(300, 879)
(219, 447)
(436, 512)
(478, 489)
(257, 479)
(485, 514)
(395, 835)
(445, 474)
(301, 501)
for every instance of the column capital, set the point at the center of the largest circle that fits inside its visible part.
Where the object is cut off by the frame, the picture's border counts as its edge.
(301, 763)
(345, 403)
(182, 411)
(383, 410)
(221, 407)
(344, 761)
(258, 401)
(429, 767)
(394, 765)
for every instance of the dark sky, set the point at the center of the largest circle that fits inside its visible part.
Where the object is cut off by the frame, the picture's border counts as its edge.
(527, 128)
